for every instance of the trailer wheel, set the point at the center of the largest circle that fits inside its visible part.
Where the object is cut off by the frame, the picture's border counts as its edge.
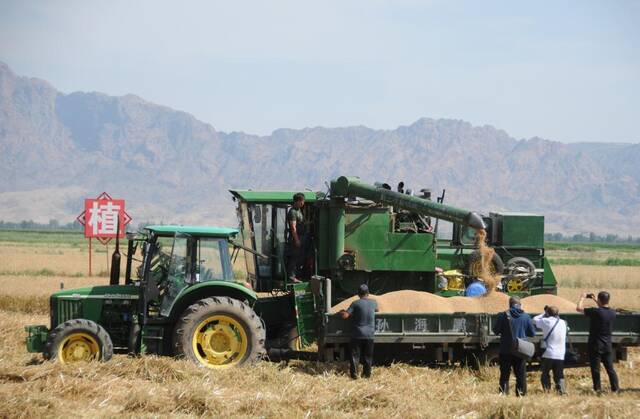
(78, 340)
(219, 332)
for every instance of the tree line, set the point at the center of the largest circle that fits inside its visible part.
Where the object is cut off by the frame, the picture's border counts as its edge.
(591, 238)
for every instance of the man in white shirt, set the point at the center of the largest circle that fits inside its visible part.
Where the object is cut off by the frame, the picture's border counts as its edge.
(554, 338)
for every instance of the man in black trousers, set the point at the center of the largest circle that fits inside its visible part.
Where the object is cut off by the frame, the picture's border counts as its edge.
(600, 348)
(517, 321)
(362, 314)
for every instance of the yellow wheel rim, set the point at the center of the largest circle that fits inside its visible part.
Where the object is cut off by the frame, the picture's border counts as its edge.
(78, 347)
(220, 341)
(514, 285)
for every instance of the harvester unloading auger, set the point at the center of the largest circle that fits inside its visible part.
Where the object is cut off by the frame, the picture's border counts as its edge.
(381, 193)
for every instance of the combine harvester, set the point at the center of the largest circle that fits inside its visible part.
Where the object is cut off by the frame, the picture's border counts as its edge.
(183, 299)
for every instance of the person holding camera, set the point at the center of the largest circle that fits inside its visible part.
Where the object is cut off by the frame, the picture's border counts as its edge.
(554, 332)
(599, 344)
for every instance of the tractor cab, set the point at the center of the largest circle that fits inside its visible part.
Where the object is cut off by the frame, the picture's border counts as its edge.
(177, 257)
(263, 223)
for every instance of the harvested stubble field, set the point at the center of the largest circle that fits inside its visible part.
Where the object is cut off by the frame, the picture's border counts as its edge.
(158, 387)
(152, 386)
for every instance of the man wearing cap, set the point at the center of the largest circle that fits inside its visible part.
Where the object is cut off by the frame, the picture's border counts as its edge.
(362, 314)
(511, 324)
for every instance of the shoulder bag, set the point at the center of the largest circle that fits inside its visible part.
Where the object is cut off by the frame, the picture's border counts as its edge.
(520, 347)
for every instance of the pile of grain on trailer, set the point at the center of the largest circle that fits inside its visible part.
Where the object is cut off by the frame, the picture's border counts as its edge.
(409, 301)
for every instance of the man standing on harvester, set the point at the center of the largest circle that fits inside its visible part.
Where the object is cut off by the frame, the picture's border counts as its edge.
(362, 313)
(511, 325)
(297, 238)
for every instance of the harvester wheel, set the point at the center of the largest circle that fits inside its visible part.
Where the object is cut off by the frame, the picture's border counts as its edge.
(219, 332)
(78, 340)
(473, 266)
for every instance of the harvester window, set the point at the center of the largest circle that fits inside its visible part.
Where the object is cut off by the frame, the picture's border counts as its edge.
(444, 230)
(262, 235)
(467, 236)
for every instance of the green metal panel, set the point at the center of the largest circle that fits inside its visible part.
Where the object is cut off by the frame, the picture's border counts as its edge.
(151, 340)
(521, 230)
(549, 277)
(367, 236)
(337, 230)
(324, 242)
(170, 230)
(452, 257)
(272, 196)
(307, 307)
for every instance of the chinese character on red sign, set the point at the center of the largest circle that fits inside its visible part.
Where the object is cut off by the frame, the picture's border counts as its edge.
(100, 218)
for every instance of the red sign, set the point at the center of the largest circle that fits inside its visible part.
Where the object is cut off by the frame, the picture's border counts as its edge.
(102, 216)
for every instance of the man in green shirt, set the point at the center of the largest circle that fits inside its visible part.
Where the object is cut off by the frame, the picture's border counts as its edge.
(297, 238)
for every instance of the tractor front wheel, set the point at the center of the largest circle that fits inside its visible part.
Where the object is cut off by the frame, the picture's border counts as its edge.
(219, 332)
(78, 340)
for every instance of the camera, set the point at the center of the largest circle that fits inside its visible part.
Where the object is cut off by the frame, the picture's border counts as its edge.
(592, 296)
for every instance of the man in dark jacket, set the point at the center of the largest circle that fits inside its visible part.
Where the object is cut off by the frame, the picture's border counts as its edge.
(520, 323)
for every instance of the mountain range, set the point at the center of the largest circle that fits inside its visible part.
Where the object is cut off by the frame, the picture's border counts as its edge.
(57, 149)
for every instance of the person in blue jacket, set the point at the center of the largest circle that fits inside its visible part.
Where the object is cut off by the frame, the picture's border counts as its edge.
(522, 327)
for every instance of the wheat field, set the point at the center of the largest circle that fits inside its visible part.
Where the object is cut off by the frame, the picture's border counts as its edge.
(160, 386)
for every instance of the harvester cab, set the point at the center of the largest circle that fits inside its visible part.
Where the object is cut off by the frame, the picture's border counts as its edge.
(264, 228)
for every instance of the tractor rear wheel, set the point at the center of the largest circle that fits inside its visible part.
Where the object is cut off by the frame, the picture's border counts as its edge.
(78, 340)
(219, 332)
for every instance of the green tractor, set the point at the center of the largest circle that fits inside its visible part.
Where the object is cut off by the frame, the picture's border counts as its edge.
(182, 300)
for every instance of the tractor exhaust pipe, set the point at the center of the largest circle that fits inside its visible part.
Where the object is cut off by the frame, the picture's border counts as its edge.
(114, 277)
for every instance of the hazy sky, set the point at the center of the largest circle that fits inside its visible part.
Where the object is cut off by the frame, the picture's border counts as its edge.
(563, 70)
